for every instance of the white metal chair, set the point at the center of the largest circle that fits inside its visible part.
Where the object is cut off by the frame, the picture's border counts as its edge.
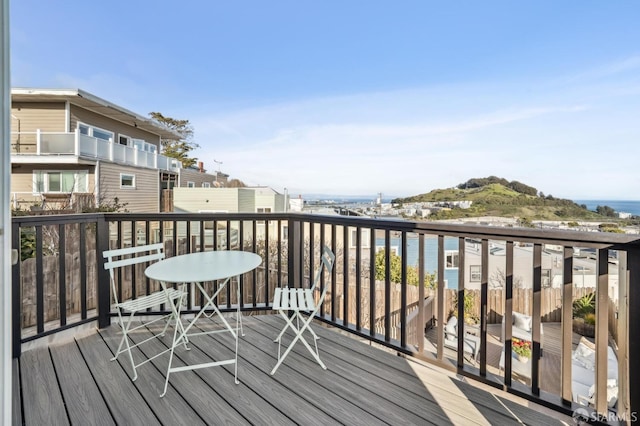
(298, 300)
(131, 256)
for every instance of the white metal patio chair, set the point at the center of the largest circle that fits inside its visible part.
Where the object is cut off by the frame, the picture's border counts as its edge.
(299, 300)
(131, 256)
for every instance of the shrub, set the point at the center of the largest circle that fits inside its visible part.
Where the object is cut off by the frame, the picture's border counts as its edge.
(584, 306)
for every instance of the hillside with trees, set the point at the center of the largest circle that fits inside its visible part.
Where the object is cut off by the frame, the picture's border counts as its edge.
(494, 196)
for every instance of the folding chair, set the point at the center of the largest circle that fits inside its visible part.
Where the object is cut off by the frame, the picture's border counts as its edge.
(298, 300)
(120, 258)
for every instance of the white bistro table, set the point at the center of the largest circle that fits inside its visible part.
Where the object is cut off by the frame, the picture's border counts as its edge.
(197, 268)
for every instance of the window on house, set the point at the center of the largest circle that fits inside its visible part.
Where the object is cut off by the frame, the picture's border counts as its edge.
(59, 181)
(365, 238)
(127, 181)
(191, 184)
(206, 185)
(96, 132)
(451, 259)
(263, 210)
(475, 273)
(546, 278)
(124, 140)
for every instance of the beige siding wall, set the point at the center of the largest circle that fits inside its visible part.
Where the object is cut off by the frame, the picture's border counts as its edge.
(246, 200)
(28, 117)
(198, 178)
(232, 200)
(144, 198)
(87, 117)
(268, 198)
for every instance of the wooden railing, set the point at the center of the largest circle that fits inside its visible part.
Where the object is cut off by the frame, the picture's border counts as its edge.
(61, 283)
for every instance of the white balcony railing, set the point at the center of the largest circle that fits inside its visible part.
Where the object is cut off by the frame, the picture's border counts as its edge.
(80, 145)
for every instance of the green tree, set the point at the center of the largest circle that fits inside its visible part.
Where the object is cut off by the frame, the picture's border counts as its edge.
(177, 148)
(606, 211)
(395, 273)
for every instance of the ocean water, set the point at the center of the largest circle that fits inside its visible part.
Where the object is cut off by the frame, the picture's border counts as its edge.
(620, 206)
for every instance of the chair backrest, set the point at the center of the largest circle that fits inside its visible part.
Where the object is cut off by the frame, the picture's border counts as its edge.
(327, 260)
(118, 258)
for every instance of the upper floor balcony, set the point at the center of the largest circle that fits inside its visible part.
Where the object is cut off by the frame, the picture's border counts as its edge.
(77, 145)
(396, 285)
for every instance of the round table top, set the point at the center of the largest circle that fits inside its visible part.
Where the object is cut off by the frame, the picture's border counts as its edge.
(203, 266)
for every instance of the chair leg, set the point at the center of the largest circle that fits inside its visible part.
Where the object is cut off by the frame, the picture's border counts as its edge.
(299, 336)
(125, 340)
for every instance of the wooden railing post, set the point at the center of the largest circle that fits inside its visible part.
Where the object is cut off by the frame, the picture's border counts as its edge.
(294, 266)
(633, 294)
(103, 292)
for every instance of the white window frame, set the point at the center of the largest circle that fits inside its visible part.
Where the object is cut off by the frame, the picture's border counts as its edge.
(451, 259)
(365, 238)
(206, 185)
(191, 184)
(475, 273)
(46, 181)
(545, 278)
(91, 129)
(133, 181)
(263, 210)
(127, 138)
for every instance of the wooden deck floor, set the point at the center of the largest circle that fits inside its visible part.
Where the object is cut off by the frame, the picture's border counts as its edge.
(75, 383)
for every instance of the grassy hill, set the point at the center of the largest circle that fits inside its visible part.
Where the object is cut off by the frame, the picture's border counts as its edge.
(497, 199)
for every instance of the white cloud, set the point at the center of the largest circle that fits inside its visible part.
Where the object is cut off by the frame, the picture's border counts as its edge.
(575, 140)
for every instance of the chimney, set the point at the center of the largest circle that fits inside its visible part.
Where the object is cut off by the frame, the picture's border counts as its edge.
(200, 166)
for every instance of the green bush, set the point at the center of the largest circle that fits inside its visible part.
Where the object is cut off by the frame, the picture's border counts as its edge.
(584, 306)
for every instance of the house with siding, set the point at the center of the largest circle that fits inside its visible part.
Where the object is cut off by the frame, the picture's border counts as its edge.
(69, 147)
(260, 199)
(198, 177)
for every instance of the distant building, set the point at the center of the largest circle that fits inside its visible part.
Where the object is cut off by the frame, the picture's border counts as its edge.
(296, 204)
(228, 200)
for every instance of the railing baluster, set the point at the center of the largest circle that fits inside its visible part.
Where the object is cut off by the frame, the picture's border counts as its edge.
(508, 317)
(536, 318)
(484, 290)
(602, 330)
(441, 313)
(62, 290)
(345, 275)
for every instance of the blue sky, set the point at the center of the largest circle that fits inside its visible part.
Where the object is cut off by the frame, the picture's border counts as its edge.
(361, 97)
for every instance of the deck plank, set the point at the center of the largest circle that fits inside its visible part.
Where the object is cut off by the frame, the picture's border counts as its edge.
(84, 403)
(126, 404)
(289, 392)
(16, 402)
(355, 383)
(41, 395)
(249, 403)
(173, 407)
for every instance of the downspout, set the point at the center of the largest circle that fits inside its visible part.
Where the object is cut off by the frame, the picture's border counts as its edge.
(96, 184)
(67, 118)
